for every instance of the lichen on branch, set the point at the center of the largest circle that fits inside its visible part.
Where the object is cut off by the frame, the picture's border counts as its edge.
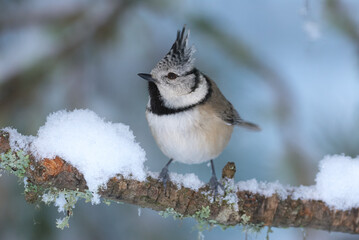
(253, 210)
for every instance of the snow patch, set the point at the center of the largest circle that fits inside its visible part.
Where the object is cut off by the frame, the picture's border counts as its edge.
(305, 193)
(337, 184)
(231, 193)
(60, 202)
(337, 181)
(48, 198)
(188, 180)
(264, 188)
(98, 149)
(17, 140)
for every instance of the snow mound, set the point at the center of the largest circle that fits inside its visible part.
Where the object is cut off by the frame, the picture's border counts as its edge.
(337, 181)
(98, 149)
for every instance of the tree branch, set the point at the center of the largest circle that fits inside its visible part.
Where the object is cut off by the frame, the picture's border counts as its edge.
(253, 209)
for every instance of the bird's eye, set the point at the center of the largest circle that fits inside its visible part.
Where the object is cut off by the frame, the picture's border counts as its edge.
(172, 75)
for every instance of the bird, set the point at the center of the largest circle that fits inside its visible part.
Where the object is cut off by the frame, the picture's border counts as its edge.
(189, 118)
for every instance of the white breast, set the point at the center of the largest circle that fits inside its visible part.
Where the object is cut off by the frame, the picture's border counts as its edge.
(180, 136)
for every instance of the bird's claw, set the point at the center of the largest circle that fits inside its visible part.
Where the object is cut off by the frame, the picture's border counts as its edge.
(214, 184)
(164, 177)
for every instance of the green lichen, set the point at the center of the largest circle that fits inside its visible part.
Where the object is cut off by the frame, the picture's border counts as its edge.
(203, 223)
(62, 222)
(171, 212)
(71, 197)
(15, 162)
(107, 202)
(250, 227)
(29, 187)
(253, 228)
(32, 192)
(201, 216)
(245, 219)
(18, 162)
(203, 213)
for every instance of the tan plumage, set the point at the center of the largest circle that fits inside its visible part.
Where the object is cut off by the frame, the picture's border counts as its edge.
(190, 119)
(217, 132)
(200, 133)
(224, 109)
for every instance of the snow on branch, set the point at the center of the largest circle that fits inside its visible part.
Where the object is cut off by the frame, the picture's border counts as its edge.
(79, 155)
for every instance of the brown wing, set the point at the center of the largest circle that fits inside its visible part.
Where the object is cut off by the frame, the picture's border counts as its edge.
(225, 109)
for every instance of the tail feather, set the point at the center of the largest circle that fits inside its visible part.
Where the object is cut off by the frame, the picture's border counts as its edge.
(249, 125)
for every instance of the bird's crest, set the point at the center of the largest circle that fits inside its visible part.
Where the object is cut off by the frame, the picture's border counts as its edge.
(180, 54)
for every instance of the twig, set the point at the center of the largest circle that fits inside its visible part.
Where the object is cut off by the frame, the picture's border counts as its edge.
(251, 209)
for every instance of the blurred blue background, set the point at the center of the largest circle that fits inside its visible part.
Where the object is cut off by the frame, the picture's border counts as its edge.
(290, 66)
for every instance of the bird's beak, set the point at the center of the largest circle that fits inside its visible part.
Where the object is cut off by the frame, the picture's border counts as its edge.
(147, 77)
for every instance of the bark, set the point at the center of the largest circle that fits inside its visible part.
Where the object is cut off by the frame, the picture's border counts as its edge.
(253, 209)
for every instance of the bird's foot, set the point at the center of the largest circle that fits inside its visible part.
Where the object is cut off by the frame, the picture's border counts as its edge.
(164, 177)
(214, 185)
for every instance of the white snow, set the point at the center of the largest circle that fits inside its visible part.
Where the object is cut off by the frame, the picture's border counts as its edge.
(25, 182)
(305, 193)
(18, 141)
(338, 181)
(60, 202)
(231, 193)
(48, 198)
(265, 188)
(58, 199)
(98, 149)
(337, 184)
(188, 180)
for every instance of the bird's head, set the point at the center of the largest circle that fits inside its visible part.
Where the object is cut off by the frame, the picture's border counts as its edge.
(175, 74)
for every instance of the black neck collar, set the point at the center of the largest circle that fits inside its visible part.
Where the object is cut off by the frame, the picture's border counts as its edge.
(158, 107)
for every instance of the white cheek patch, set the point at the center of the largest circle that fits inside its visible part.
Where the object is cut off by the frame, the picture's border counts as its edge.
(173, 99)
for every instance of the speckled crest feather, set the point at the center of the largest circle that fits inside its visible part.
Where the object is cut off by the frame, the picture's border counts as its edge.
(179, 54)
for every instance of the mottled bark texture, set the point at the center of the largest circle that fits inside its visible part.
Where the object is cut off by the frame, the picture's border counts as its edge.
(253, 209)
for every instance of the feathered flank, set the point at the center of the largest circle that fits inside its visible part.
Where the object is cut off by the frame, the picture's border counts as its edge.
(180, 54)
